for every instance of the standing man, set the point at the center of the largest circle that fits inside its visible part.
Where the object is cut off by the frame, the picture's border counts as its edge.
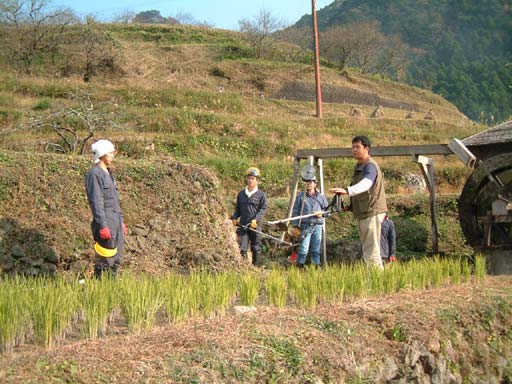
(367, 199)
(388, 241)
(107, 224)
(309, 229)
(251, 204)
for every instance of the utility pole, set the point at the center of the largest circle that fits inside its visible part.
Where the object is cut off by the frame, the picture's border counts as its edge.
(317, 63)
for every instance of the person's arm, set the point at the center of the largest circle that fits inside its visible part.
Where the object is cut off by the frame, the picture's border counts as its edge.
(369, 177)
(296, 209)
(262, 208)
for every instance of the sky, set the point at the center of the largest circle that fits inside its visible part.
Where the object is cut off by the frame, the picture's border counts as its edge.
(222, 14)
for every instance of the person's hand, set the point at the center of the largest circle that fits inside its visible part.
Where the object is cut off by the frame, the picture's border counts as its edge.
(105, 234)
(392, 258)
(254, 224)
(341, 191)
(296, 232)
(319, 213)
(125, 229)
(235, 222)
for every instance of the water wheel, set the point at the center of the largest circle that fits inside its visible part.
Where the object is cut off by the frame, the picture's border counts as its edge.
(485, 204)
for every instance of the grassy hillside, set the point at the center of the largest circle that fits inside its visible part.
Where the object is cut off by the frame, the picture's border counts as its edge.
(187, 95)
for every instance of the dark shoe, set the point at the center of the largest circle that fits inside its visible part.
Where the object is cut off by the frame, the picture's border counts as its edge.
(257, 259)
(300, 266)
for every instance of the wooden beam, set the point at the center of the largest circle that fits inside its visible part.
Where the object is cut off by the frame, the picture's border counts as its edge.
(394, 150)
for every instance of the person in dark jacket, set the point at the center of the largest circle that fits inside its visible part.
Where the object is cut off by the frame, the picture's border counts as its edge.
(388, 241)
(251, 204)
(308, 230)
(107, 225)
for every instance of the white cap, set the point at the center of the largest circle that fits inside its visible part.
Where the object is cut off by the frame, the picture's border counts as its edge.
(101, 148)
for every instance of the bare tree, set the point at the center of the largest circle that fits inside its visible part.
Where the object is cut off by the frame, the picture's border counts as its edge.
(188, 19)
(339, 44)
(363, 46)
(74, 126)
(124, 17)
(259, 29)
(32, 30)
(98, 47)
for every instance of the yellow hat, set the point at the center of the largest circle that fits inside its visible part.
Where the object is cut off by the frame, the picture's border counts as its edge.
(105, 252)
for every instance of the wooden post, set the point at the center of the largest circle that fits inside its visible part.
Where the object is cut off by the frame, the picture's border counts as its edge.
(427, 169)
(295, 185)
(317, 62)
(324, 231)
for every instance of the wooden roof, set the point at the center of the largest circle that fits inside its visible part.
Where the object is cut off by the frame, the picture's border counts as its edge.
(501, 133)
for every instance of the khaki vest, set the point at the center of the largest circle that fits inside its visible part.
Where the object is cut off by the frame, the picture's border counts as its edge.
(371, 202)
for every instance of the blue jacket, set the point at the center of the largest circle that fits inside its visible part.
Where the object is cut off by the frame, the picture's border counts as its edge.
(318, 202)
(387, 239)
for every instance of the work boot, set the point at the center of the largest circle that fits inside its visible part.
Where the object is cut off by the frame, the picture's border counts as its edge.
(98, 272)
(257, 259)
(300, 266)
(243, 254)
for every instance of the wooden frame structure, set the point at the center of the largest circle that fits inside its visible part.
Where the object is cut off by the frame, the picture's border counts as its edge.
(419, 155)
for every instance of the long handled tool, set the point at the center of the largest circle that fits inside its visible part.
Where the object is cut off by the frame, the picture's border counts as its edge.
(268, 236)
(336, 205)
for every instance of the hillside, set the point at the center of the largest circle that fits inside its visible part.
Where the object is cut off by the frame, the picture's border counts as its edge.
(178, 100)
(189, 109)
(460, 50)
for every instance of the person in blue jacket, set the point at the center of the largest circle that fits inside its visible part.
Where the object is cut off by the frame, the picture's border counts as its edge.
(107, 225)
(388, 241)
(251, 204)
(309, 230)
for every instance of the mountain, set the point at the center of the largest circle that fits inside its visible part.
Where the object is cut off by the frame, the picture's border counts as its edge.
(460, 49)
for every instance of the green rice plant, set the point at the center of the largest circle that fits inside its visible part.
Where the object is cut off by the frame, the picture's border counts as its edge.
(14, 320)
(454, 270)
(52, 305)
(176, 297)
(97, 301)
(304, 286)
(249, 288)
(204, 292)
(480, 267)
(436, 274)
(465, 269)
(140, 300)
(224, 290)
(275, 287)
(390, 279)
(331, 284)
(354, 278)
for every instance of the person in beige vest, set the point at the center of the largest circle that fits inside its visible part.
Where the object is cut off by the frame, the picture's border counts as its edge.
(367, 200)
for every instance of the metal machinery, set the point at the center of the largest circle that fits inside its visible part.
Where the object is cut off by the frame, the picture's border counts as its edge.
(485, 204)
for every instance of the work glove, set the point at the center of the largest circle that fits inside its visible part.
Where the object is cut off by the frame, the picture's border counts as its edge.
(319, 213)
(235, 222)
(125, 229)
(392, 259)
(296, 232)
(105, 234)
(254, 224)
